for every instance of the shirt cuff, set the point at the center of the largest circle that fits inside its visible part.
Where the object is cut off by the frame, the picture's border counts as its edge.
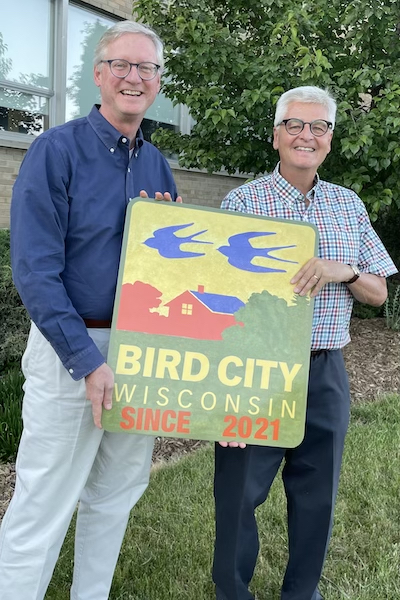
(83, 364)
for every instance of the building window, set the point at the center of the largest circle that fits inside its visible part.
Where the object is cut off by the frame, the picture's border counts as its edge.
(85, 28)
(26, 83)
(187, 309)
(53, 83)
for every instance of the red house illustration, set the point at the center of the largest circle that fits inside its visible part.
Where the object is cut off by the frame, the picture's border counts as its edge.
(202, 315)
(193, 314)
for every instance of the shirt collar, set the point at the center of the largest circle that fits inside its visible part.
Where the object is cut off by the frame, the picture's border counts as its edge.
(107, 133)
(288, 192)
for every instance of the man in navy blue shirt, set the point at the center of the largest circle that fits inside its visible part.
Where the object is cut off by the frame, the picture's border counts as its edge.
(67, 219)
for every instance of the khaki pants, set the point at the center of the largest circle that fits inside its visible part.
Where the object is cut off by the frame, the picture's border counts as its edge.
(62, 459)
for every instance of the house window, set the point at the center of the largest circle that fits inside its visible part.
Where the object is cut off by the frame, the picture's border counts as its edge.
(26, 69)
(187, 309)
(52, 82)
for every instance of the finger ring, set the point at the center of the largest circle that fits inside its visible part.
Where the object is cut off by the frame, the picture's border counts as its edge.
(316, 277)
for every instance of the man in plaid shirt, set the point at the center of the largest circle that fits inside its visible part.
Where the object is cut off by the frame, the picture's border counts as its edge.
(352, 263)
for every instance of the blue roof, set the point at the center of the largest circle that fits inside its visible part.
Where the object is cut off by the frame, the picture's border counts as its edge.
(218, 303)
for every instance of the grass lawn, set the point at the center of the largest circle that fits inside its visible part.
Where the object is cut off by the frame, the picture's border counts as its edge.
(167, 551)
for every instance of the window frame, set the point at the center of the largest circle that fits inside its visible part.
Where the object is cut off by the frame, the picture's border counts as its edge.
(57, 95)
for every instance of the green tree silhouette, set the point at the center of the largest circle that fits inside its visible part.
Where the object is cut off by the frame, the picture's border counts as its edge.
(272, 326)
(82, 88)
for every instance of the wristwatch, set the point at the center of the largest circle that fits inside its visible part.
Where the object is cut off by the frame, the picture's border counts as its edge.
(356, 275)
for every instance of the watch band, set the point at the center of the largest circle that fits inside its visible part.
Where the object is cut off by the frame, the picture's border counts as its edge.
(356, 274)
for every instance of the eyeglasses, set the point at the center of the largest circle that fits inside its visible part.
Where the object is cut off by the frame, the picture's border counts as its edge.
(295, 126)
(121, 68)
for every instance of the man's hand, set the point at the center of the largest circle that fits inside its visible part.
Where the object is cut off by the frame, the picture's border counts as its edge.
(159, 196)
(316, 273)
(232, 444)
(99, 389)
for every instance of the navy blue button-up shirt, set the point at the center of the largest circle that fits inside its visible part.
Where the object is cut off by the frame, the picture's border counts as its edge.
(67, 218)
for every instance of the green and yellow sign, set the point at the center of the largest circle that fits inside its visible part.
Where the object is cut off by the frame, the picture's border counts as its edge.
(208, 340)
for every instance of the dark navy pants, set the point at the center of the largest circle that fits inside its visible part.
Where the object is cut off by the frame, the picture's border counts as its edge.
(310, 475)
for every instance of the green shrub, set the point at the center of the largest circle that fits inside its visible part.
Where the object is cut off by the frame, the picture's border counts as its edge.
(387, 227)
(10, 413)
(365, 311)
(392, 308)
(14, 320)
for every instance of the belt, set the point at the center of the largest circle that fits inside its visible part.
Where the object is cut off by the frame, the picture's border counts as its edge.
(318, 352)
(97, 323)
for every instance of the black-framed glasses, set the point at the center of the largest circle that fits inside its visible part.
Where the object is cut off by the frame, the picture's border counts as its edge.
(295, 126)
(121, 68)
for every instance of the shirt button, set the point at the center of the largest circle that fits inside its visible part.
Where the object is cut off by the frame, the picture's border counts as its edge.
(70, 371)
(129, 169)
(112, 150)
(124, 140)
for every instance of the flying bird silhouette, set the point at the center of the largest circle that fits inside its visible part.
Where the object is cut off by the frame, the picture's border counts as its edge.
(240, 252)
(168, 244)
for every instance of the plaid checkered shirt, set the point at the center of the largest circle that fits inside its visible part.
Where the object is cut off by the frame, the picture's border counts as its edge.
(345, 235)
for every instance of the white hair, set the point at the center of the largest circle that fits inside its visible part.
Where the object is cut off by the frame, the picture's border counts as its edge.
(308, 94)
(120, 29)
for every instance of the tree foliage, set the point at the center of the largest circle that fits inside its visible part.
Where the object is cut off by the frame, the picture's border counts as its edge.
(285, 328)
(82, 88)
(230, 61)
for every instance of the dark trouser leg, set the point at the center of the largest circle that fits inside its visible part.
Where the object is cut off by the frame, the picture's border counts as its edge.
(311, 476)
(242, 481)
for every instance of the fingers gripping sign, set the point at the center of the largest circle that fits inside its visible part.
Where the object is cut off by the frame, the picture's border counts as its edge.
(159, 196)
(232, 444)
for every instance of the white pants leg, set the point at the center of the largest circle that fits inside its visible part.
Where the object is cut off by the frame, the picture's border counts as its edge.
(117, 480)
(61, 458)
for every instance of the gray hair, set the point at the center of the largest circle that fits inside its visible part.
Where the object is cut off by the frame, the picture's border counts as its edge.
(120, 29)
(308, 94)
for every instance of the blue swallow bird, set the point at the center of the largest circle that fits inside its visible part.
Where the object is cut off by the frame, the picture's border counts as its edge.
(169, 245)
(240, 252)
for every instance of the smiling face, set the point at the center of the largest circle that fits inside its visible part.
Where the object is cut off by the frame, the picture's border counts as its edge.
(302, 154)
(125, 101)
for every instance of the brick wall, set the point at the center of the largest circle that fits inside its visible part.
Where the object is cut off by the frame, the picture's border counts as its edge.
(10, 160)
(121, 8)
(203, 189)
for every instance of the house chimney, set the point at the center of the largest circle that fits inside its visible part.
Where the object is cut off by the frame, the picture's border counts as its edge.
(200, 289)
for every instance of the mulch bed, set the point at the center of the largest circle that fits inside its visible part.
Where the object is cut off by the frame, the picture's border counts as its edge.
(372, 359)
(373, 364)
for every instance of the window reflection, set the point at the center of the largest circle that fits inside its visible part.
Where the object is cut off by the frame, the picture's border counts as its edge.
(25, 42)
(21, 112)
